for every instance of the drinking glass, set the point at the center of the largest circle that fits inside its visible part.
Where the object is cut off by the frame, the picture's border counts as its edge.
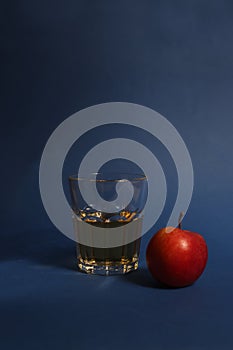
(108, 228)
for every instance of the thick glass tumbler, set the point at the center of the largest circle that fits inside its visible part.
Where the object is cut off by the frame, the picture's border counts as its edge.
(115, 205)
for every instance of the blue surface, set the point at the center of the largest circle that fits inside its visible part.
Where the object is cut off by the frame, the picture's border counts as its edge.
(58, 57)
(47, 304)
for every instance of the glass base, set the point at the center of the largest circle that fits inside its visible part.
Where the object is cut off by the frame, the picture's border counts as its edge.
(107, 269)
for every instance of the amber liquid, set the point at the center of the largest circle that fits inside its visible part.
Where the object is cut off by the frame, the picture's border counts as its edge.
(122, 258)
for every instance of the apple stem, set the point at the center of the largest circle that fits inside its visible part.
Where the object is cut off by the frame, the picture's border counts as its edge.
(180, 220)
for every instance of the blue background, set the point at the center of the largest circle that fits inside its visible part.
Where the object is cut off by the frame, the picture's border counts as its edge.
(58, 57)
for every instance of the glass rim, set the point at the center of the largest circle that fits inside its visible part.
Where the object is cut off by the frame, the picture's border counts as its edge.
(118, 177)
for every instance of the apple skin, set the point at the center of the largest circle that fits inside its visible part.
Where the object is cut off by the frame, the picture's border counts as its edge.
(176, 257)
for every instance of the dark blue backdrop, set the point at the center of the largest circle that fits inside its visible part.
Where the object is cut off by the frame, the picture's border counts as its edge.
(58, 57)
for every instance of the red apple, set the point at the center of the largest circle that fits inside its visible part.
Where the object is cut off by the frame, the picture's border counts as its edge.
(176, 257)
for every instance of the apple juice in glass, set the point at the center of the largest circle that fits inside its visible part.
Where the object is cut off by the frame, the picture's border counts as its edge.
(107, 257)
